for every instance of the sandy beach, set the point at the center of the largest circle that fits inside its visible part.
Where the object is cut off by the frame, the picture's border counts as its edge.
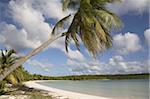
(62, 94)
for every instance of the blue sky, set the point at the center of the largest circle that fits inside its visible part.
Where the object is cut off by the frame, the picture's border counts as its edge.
(26, 24)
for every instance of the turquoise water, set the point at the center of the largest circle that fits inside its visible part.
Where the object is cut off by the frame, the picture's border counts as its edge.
(117, 89)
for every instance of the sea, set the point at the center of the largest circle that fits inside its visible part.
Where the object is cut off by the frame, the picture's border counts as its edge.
(115, 89)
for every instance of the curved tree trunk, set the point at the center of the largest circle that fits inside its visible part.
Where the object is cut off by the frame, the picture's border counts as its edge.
(19, 62)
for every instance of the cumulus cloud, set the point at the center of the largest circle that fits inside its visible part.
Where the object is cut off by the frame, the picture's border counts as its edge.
(31, 20)
(14, 38)
(126, 43)
(50, 8)
(83, 67)
(135, 6)
(115, 65)
(75, 55)
(33, 30)
(147, 36)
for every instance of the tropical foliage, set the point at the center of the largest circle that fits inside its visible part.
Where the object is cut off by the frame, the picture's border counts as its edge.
(92, 22)
(7, 58)
(103, 77)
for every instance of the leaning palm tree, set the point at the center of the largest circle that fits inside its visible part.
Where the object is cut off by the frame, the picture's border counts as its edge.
(92, 22)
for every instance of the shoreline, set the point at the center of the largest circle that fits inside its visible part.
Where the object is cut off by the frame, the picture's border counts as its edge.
(63, 94)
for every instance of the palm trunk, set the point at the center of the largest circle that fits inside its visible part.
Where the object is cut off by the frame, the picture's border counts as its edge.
(19, 62)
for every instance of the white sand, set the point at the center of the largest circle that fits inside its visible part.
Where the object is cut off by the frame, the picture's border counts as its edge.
(62, 93)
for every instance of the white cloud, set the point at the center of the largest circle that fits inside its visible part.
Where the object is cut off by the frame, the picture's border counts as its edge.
(135, 6)
(14, 38)
(30, 16)
(115, 65)
(31, 20)
(32, 31)
(129, 42)
(50, 8)
(75, 54)
(147, 36)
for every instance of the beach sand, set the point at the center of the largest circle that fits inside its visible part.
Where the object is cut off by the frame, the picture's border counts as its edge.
(61, 94)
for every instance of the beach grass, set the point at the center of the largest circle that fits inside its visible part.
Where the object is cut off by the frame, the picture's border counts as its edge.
(23, 92)
(39, 95)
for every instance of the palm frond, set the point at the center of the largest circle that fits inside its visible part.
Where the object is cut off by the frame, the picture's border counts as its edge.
(92, 23)
(3, 57)
(65, 4)
(107, 19)
(72, 4)
(11, 52)
(60, 23)
(72, 33)
(103, 2)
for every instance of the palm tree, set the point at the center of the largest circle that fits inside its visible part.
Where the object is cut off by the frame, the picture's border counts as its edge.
(7, 58)
(92, 22)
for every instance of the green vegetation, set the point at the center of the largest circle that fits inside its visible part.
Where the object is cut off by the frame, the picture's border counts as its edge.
(104, 77)
(93, 77)
(7, 58)
(92, 22)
